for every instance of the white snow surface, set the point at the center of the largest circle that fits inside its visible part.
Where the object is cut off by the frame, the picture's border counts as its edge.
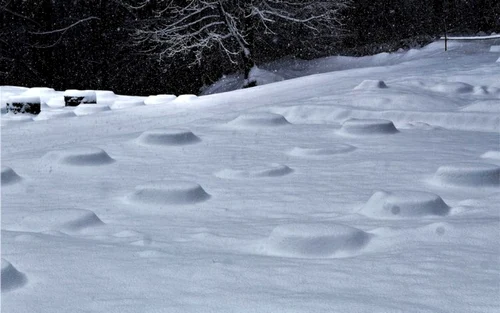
(315, 194)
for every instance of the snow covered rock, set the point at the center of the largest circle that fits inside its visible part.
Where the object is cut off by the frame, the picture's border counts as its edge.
(75, 97)
(24, 104)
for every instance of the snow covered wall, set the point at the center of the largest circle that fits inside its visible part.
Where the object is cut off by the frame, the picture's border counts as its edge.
(372, 188)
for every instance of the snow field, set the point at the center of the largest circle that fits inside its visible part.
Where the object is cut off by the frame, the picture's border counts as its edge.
(301, 218)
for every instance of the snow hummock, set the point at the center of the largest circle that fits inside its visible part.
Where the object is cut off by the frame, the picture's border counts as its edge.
(168, 192)
(318, 240)
(90, 108)
(124, 104)
(272, 170)
(257, 120)
(89, 96)
(80, 156)
(332, 149)
(403, 204)
(367, 127)
(159, 99)
(11, 277)
(371, 84)
(9, 176)
(495, 49)
(60, 220)
(468, 174)
(167, 137)
(493, 154)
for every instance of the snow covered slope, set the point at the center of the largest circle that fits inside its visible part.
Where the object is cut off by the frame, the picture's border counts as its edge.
(369, 189)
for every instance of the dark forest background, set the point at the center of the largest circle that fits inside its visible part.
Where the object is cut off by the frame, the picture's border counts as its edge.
(88, 44)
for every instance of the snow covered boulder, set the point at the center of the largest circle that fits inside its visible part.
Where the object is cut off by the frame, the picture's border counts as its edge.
(74, 97)
(24, 104)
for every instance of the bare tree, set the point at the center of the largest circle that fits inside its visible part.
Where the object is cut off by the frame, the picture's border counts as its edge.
(199, 28)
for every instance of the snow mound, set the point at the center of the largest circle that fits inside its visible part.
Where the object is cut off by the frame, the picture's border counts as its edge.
(274, 170)
(81, 156)
(53, 114)
(498, 60)
(159, 99)
(169, 192)
(60, 220)
(371, 84)
(9, 176)
(319, 240)
(453, 88)
(11, 277)
(337, 148)
(367, 127)
(124, 104)
(404, 204)
(495, 155)
(468, 174)
(90, 108)
(24, 99)
(168, 137)
(259, 120)
(495, 49)
(185, 98)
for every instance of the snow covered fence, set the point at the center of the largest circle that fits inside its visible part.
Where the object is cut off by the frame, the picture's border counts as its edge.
(23, 104)
(76, 97)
